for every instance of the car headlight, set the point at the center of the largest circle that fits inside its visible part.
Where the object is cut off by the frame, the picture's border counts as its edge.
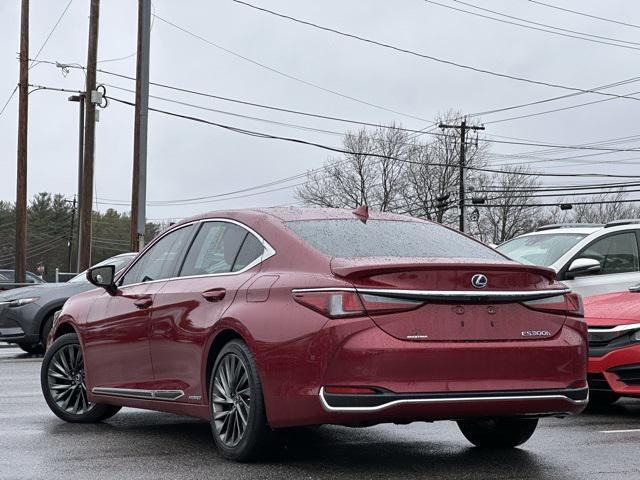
(19, 302)
(635, 336)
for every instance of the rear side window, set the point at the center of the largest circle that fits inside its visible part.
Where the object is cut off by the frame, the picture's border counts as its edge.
(220, 247)
(616, 253)
(388, 238)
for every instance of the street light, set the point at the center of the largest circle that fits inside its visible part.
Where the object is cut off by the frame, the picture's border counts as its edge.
(80, 99)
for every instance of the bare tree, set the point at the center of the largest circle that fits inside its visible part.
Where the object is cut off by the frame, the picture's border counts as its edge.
(435, 172)
(371, 173)
(511, 209)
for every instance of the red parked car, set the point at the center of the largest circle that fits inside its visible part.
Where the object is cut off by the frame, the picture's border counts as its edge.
(614, 345)
(259, 320)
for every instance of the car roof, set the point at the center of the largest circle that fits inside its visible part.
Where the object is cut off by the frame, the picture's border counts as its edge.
(555, 231)
(288, 214)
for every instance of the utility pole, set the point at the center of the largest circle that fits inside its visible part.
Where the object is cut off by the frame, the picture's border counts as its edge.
(86, 202)
(21, 181)
(80, 98)
(70, 241)
(139, 177)
(463, 128)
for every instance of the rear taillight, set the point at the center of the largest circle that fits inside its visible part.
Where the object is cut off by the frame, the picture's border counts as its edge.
(376, 304)
(333, 304)
(568, 303)
(347, 303)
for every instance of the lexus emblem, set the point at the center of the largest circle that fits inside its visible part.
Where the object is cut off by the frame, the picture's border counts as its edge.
(479, 280)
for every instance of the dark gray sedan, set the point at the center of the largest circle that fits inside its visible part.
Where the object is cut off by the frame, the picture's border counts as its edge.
(26, 313)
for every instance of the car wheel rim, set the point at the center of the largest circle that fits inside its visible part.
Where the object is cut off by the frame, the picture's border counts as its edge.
(231, 400)
(66, 380)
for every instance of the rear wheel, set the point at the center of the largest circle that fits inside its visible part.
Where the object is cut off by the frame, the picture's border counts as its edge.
(238, 418)
(63, 385)
(499, 432)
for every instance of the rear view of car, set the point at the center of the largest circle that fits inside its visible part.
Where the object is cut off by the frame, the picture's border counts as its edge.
(614, 345)
(429, 324)
(259, 320)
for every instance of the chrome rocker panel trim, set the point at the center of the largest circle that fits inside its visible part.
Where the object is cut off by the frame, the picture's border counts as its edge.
(478, 398)
(170, 395)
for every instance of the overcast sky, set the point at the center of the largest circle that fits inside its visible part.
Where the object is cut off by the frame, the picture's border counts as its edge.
(188, 160)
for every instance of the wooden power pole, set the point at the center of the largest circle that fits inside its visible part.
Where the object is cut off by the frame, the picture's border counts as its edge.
(463, 127)
(86, 202)
(21, 184)
(139, 177)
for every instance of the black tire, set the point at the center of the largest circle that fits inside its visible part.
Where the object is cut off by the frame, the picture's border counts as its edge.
(499, 432)
(44, 332)
(235, 398)
(63, 371)
(602, 399)
(30, 348)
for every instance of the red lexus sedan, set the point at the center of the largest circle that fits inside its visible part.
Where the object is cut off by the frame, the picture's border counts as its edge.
(259, 320)
(614, 345)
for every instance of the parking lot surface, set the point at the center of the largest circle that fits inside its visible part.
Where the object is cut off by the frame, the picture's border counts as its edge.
(138, 444)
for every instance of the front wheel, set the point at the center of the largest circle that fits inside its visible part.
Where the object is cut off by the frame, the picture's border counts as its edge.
(63, 385)
(238, 418)
(499, 432)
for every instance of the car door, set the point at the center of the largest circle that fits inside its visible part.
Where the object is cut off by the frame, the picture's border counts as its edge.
(116, 336)
(223, 256)
(620, 265)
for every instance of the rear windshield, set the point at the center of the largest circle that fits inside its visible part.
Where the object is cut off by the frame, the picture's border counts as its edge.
(388, 238)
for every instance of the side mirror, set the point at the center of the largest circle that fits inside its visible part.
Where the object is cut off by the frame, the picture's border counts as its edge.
(583, 266)
(103, 277)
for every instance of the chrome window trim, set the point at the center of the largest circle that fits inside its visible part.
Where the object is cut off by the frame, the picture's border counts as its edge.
(445, 294)
(618, 328)
(170, 395)
(479, 398)
(269, 252)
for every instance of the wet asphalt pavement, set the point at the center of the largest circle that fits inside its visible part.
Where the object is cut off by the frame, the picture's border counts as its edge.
(35, 444)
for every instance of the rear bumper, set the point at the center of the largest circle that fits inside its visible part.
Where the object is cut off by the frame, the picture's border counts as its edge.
(424, 380)
(618, 371)
(377, 402)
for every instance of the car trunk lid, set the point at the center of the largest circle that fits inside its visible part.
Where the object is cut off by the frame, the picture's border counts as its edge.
(461, 299)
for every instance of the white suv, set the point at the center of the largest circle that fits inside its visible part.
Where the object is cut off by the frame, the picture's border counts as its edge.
(591, 259)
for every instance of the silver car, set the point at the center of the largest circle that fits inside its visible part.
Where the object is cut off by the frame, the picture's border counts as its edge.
(591, 259)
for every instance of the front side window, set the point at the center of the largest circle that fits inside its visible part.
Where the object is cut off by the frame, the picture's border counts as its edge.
(616, 253)
(388, 238)
(220, 247)
(160, 260)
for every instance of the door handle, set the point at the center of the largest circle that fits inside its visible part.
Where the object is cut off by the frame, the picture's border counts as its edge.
(214, 295)
(143, 302)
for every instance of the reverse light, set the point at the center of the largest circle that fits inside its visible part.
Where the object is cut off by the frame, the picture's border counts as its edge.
(348, 303)
(21, 301)
(568, 303)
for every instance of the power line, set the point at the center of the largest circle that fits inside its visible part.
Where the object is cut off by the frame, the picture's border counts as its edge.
(53, 29)
(545, 30)
(376, 155)
(585, 14)
(556, 204)
(429, 57)
(287, 75)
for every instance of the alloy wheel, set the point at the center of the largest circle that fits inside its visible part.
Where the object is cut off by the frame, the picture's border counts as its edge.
(66, 380)
(231, 399)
